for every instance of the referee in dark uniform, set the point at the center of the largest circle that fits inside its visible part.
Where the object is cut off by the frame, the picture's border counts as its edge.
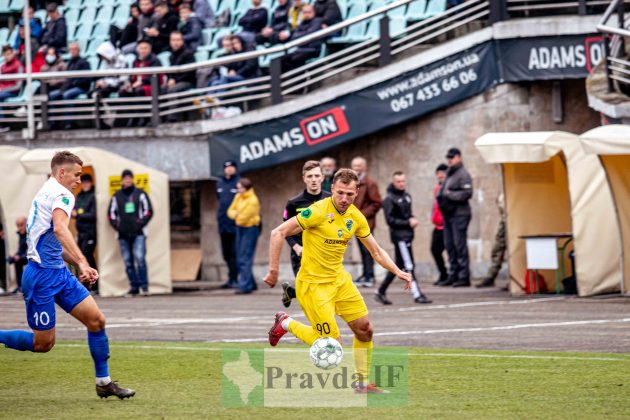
(312, 177)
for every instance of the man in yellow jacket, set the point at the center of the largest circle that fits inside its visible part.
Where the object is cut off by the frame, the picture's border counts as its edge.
(245, 211)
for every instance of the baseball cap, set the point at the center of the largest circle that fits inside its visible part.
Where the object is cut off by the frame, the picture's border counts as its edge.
(229, 162)
(452, 152)
(126, 172)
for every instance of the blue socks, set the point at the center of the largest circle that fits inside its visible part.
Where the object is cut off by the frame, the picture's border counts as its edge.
(99, 349)
(17, 339)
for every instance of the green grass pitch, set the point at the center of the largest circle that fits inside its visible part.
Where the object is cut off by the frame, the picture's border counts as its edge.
(183, 380)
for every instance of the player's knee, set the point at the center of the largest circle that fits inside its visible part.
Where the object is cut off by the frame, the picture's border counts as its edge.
(43, 345)
(97, 323)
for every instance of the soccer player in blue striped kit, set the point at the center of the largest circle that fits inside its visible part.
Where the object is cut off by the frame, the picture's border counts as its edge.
(47, 280)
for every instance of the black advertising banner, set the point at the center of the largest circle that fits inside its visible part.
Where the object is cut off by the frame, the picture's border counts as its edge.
(550, 58)
(350, 117)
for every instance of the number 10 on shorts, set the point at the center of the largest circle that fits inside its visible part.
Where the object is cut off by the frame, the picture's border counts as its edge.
(41, 318)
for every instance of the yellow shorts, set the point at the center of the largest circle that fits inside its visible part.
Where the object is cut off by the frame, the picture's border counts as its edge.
(322, 301)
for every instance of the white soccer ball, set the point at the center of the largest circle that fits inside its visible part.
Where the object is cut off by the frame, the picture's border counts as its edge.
(326, 353)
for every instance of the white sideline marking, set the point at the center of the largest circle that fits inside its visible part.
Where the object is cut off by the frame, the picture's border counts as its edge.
(472, 304)
(478, 355)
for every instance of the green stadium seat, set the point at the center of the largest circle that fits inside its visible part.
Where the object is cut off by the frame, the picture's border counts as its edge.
(355, 33)
(84, 43)
(398, 12)
(42, 15)
(84, 31)
(94, 62)
(356, 9)
(35, 84)
(130, 58)
(165, 58)
(121, 13)
(201, 55)
(88, 15)
(4, 35)
(12, 36)
(225, 4)
(214, 4)
(434, 8)
(72, 16)
(101, 29)
(206, 36)
(74, 4)
(16, 5)
(71, 28)
(105, 14)
(397, 25)
(90, 4)
(416, 9)
(4, 6)
(373, 28)
(94, 43)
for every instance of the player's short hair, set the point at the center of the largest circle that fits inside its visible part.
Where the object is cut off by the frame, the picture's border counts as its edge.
(346, 176)
(63, 158)
(246, 183)
(311, 164)
(397, 173)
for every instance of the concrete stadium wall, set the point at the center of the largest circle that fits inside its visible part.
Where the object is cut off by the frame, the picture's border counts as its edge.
(417, 148)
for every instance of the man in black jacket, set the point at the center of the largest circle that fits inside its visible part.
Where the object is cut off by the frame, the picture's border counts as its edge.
(253, 21)
(129, 213)
(312, 177)
(191, 27)
(160, 32)
(237, 71)
(56, 31)
(19, 259)
(453, 199)
(179, 82)
(307, 26)
(399, 217)
(279, 23)
(75, 86)
(329, 11)
(84, 214)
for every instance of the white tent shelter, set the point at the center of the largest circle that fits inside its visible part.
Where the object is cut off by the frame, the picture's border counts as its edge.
(23, 173)
(612, 144)
(552, 186)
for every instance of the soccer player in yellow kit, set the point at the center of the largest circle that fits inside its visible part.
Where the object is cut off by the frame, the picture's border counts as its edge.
(323, 288)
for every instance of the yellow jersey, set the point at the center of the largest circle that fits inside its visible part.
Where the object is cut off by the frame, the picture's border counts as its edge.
(325, 239)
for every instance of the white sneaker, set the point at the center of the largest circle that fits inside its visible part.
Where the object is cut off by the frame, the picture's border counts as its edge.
(2, 291)
(21, 112)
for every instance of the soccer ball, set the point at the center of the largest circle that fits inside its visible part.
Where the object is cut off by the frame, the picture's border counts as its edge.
(326, 353)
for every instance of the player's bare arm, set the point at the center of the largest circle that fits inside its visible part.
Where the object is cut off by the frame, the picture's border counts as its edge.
(71, 252)
(381, 257)
(278, 236)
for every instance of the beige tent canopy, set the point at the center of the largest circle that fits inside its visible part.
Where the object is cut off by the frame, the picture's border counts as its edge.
(24, 171)
(552, 186)
(612, 144)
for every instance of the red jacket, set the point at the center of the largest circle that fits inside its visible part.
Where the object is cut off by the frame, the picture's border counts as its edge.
(436, 215)
(12, 67)
(151, 61)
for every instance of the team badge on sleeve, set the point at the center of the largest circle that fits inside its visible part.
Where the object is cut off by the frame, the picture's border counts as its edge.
(306, 213)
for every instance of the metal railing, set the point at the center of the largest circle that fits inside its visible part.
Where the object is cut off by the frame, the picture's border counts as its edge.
(616, 63)
(378, 50)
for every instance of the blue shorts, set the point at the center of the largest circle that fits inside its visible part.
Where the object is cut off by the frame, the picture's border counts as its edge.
(43, 287)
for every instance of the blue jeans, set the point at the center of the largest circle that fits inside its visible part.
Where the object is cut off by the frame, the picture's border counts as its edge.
(134, 250)
(246, 239)
(67, 95)
(4, 95)
(224, 80)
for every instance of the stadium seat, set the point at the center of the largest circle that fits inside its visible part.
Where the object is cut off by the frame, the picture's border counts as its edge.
(4, 6)
(35, 84)
(88, 15)
(84, 43)
(225, 4)
(94, 62)
(165, 58)
(201, 55)
(84, 31)
(397, 25)
(71, 28)
(416, 9)
(355, 33)
(74, 4)
(101, 29)
(105, 14)
(16, 5)
(93, 4)
(72, 16)
(356, 9)
(12, 36)
(434, 8)
(398, 12)
(94, 43)
(121, 14)
(4, 35)
(130, 58)
(42, 15)
(206, 36)
(214, 4)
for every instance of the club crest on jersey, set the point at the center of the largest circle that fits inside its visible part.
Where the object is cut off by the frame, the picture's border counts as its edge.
(306, 213)
(65, 200)
(340, 233)
(349, 224)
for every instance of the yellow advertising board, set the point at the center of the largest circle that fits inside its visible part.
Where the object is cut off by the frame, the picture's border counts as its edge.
(140, 180)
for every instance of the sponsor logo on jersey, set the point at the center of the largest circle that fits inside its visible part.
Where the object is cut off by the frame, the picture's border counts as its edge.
(349, 224)
(335, 242)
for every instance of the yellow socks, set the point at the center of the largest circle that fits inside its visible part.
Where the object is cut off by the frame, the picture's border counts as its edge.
(362, 355)
(305, 333)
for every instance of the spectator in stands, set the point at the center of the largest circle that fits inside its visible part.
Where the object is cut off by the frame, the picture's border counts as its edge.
(253, 21)
(309, 24)
(56, 32)
(9, 88)
(111, 59)
(245, 211)
(36, 29)
(204, 12)
(174, 5)
(179, 82)
(160, 32)
(437, 238)
(190, 27)
(279, 23)
(54, 62)
(205, 75)
(240, 70)
(129, 34)
(140, 85)
(20, 46)
(146, 20)
(295, 13)
(19, 258)
(329, 11)
(74, 86)
(329, 169)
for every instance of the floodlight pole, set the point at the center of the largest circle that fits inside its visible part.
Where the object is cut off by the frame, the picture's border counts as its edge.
(30, 129)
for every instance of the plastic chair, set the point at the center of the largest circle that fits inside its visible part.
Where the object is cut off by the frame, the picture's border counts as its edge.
(94, 62)
(88, 15)
(84, 43)
(16, 5)
(225, 4)
(71, 28)
(206, 36)
(165, 58)
(41, 15)
(94, 43)
(22, 97)
(416, 9)
(4, 35)
(90, 4)
(105, 14)
(73, 5)
(101, 29)
(84, 31)
(12, 36)
(435, 7)
(4, 6)
(355, 33)
(356, 9)
(398, 12)
(397, 25)
(121, 13)
(201, 56)
(72, 16)
(130, 59)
